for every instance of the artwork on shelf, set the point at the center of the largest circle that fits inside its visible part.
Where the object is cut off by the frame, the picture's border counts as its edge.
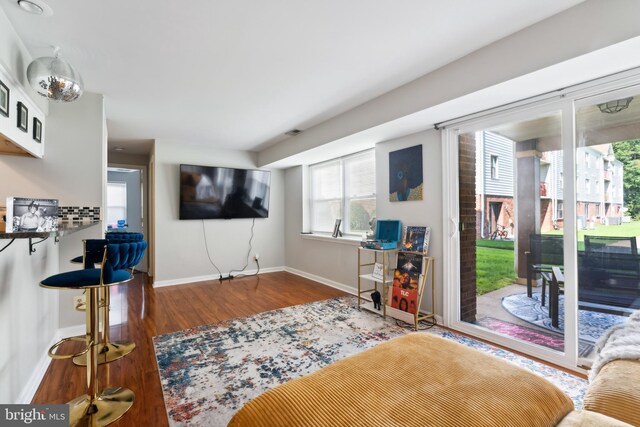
(23, 117)
(4, 99)
(378, 271)
(415, 239)
(336, 228)
(405, 174)
(37, 130)
(406, 282)
(27, 214)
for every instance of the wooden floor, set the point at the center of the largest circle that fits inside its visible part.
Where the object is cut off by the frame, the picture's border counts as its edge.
(139, 312)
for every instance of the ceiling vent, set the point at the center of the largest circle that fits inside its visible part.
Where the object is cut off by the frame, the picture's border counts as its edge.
(293, 132)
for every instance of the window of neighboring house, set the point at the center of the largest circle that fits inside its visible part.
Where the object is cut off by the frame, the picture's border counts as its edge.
(560, 213)
(343, 188)
(586, 159)
(561, 180)
(494, 167)
(116, 203)
(587, 188)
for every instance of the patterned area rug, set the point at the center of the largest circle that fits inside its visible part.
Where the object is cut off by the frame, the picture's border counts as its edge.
(552, 340)
(209, 372)
(591, 324)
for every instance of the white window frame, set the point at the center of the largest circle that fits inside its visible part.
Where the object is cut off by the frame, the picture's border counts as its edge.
(345, 200)
(495, 172)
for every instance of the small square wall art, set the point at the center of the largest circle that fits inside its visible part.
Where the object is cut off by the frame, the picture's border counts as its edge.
(405, 174)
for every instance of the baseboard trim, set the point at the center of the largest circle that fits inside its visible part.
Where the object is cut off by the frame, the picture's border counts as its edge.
(337, 285)
(31, 387)
(195, 279)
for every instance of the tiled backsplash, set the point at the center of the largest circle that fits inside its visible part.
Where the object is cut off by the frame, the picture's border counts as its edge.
(78, 213)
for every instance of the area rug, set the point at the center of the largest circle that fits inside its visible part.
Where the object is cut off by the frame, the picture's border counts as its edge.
(552, 340)
(209, 372)
(591, 324)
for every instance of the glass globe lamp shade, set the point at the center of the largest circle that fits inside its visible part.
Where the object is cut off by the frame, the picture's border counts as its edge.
(55, 79)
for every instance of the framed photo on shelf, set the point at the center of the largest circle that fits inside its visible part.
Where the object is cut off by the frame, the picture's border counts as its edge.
(37, 130)
(336, 228)
(23, 117)
(4, 99)
(378, 271)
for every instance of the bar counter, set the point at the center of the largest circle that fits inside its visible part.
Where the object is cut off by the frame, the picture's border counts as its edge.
(64, 228)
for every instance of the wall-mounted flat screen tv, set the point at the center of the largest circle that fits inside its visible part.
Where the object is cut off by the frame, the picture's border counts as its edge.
(209, 192)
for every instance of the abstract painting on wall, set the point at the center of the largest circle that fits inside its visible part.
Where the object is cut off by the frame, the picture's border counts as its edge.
(405, 174)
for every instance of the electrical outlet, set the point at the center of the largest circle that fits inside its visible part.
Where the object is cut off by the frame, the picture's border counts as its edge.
(256, 256)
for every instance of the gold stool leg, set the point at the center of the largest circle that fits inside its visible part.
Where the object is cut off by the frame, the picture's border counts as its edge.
(93, 409)
(109, 351)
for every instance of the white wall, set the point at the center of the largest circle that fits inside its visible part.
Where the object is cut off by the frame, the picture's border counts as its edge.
(427, 211)
(71, 171)
(334, 261)
(180, 254)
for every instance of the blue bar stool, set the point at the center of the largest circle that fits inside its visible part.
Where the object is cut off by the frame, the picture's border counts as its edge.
(109, 351)
(97, 408)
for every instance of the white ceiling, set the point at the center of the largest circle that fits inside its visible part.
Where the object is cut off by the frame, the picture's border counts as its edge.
(238, 73)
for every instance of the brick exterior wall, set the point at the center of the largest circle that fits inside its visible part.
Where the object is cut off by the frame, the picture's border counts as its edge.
(504, 219)
(467, 179)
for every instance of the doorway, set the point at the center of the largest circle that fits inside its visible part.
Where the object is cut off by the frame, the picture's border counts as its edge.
(126, 209)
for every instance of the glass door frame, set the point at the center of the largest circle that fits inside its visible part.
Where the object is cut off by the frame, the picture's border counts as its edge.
(451, 251)
(566, 102)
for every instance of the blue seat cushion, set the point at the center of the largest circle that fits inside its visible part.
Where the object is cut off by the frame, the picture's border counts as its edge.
(83, 278)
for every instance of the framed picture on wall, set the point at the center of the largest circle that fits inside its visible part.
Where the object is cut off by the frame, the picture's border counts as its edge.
(23, 117)
(405, 174)
(4, 99)
(37, 130)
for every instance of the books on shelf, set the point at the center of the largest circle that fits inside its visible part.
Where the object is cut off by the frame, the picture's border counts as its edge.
(415, 239)
(406, 282)
(28, 214)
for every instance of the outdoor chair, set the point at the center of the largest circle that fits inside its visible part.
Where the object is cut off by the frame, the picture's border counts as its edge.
(545, 251)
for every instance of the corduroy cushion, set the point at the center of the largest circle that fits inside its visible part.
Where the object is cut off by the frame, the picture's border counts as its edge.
(415, 380)
(83, 278)
(616, 391)
(590, 419)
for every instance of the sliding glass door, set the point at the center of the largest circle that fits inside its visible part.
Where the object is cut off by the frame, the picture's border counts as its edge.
(512, 229)
(544, 211)
(607, 212)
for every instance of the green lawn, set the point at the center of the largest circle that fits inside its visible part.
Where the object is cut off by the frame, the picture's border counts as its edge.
(494, 258)
(494, 267)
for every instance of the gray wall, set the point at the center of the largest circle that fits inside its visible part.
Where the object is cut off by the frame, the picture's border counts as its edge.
(180, 253)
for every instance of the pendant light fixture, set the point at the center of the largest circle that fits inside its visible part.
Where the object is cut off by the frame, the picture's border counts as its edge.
(55, 78)
(615, 106)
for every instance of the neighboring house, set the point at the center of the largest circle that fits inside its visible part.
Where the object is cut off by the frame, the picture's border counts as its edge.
(599, 186)
(494, 182)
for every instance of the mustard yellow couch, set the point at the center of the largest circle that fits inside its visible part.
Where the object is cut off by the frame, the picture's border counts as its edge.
(422, 380)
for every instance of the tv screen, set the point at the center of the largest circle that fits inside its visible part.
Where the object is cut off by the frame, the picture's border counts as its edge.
(209, 192)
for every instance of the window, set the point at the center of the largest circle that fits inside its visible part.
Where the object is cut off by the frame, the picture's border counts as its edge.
(494, 167)
(587, 186)
(560, 213)
(116, 203)
(343, 188)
